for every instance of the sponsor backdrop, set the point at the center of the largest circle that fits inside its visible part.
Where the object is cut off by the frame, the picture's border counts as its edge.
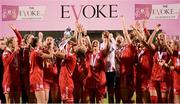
(22, 12)
(163, 11)
(56, 15)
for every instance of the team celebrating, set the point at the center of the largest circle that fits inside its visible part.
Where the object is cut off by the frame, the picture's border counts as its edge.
(80, 70)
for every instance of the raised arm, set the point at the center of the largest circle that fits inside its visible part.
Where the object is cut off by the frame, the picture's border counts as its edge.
(89, 41)
(18, 34)
(145, 28)
(139, 34)
(125, 32)
(78, 33)
(75, 30)
(40, 38)
(150, 40)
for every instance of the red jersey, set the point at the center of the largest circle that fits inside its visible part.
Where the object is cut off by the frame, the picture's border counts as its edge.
(65, 78)
(11, 76)
(127, 57)
(160, 73)
(176, 72)
(145, 63)
(97, 77)
(36, 71)
(50, 69)
(88, 56)
(81, 73)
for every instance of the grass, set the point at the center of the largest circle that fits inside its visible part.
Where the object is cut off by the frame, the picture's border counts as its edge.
(105, 101)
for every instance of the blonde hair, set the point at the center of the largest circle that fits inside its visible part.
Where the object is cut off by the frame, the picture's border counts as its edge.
(95, 41)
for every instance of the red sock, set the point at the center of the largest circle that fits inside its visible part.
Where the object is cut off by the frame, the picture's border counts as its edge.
(154, 99)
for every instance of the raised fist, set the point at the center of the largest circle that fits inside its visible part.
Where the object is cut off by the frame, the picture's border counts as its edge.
(40, 35)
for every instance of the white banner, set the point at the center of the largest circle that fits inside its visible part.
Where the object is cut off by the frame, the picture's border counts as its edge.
(166, 11)
(31, 12)
(151, 11)
(22, 12)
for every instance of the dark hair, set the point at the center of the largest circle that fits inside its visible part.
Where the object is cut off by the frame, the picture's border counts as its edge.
(26, 36)
(106, 34)
(34, 42)
(80, 53)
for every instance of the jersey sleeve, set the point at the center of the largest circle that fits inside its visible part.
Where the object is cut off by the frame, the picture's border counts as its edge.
(7, 57)
(18, 35)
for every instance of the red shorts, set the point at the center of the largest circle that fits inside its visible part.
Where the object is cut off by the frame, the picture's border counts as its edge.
(36, 87)
(176, 83)
(163, 85)
(48, 85)
(12, 88)
(145, 85)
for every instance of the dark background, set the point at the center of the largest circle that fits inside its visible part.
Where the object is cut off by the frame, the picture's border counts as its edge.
(59, 34)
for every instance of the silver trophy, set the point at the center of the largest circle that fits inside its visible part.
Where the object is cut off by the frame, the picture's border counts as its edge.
(68, 34)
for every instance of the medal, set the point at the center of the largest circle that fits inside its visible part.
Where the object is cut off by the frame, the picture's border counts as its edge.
(93, 60)
(140, 53)
(160, 55)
